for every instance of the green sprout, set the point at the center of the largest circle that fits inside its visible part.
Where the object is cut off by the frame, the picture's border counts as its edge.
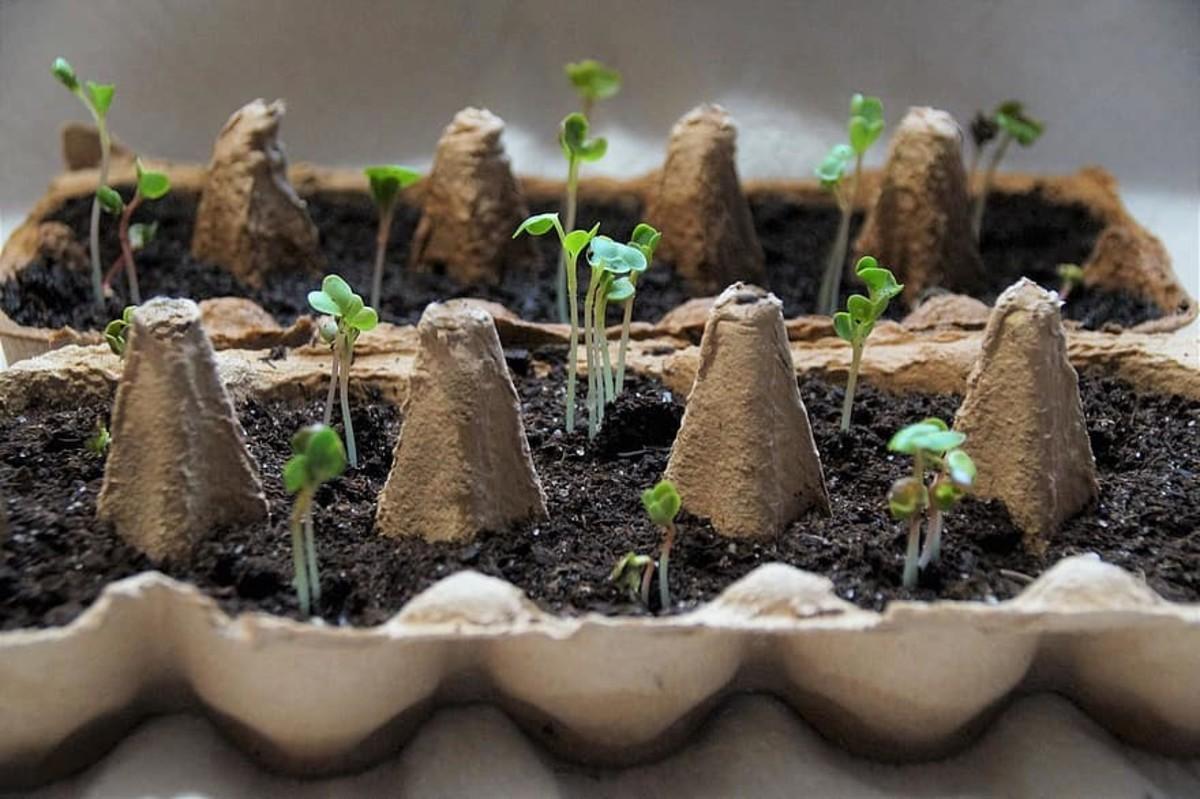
(1070, 277)
(646, 239)
(576, 148)
(864, 127)
(593, 81)
(612, 265)
(97, 98)
(97, 443)
(934, 448)
(634, 573)
(317, 458)
(572, 244)
(855, 324)
(349, 317)
(116, 332)
(1012, 124)
(151, 185)
(386, 184)
(662, 504)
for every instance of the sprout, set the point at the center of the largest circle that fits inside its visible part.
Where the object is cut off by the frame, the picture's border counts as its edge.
(317, 457)
(572, 244)
(116, 332)
(936, 448)
(646, 239)
(576, 148)
(662, 505)
(97, 98)
(97, 443)
(386, 185)
(593, 81)
(151, 185)
(1011, 122)
(349, 317)
(865, 127)
(634, 572)
(858, 320)
(1071, 277)
(612, 264)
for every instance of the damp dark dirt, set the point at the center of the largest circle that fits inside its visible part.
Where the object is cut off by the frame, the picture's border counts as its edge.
(1023, 235)
(58, 558)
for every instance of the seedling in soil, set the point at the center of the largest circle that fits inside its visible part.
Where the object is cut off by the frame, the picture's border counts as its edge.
(662, 505)
(634, 572)
(97, 99)
(611, 263)
(1070, 277)
(1011, 124)
(386, 184)
(572, 244)
(116, 332)
(935, 449)
(97, 443)
(577, 148)
(593, 81)
(349, 317)
(855, 323)
(645, 238)
(317, 457)
(151, 185)
(865, 126)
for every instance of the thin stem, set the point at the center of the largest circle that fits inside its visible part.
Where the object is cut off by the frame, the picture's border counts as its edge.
(851, 384)
(910, 557)
(299, 566)
(933, 537)
(310, 551)
(381, 242)
(94, 233)
(828, 295)
(344, 379)
(135, 295)
(588, 336)
(647, 579)
(664, 561)
(333, 382)
(981, 200)
(573, 350)
(626, 319)
(610, 388)
(568, 224)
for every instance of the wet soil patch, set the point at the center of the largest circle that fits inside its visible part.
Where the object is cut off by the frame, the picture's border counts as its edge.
(1023, 235)
(58, 558)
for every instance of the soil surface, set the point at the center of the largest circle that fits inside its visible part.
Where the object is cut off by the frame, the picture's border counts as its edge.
(1022, 235)
(58, 558)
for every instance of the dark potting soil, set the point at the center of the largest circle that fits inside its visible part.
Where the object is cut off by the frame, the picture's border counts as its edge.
(1023, 235)
(58, 557)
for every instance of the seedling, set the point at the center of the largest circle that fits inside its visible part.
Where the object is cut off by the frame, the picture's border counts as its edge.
(646, 239)
(572, 244)
(151, 185)
(98, 442)
(611, 264)
(634, 572)
(577, 148)
(116, 332)
(865, 126)
(317, 457)
(855, 323)
(1070, 277)
(662, 505)
(1012, 124)
(386, 184)
(97, 98)
(934, 448)
(593, 81)
(349, 317)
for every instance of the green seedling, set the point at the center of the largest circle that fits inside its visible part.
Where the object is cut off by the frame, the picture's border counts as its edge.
(1070, 277)
(97, 99)
(317, 457)
(634, 573)
(662, 504)
(1012, 124)
(151, 185)
(646, 239)
(611, 264)
(864, 127)
(934, 449)
(855, 324)
(116, 332)
(572, 244)
(348, 318)
(386, 184)
(97, 443)
(577, 148)
(593, 81)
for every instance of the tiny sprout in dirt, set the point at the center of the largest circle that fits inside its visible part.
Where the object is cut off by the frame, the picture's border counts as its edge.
(662, 505)
(935, 449)
(634, 573)
(116, 332)
(151, 185)
(386, 184)
(613, 267)
(349, 317)
(1070, 277)
(855, 324)
(317, 457)
(572, 244)
(96, 98)
(576, 148)
(1010, 122)
(864, 127)
(593, 81)
(97, 443)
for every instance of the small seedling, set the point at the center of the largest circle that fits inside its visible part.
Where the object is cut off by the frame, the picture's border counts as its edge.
(386, 184)
(577, 148)
(593, 81)
(349, 317)
(572, 244)
(97, 98)
(1012, 124)
(634, 573)
(116, 332)
(646, 239)
(97, 443)
(317, 457)
(662, 505)
(937, 449)
(864, 127)
(855, 324)
(1070, 277)
(151, 185)
(611, 264)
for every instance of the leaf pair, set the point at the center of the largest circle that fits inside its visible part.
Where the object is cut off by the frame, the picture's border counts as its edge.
(662, 503)
(646, 239)
(151, 185)
(116, 332)
(318, 457)
(832, 169)
(857, 322)
(619, 261)
(573, 138)
(1011, 117)
(387, 181)
(337, 300)
(866, 122)
(930, 436)
(592, 80)
(99, 96)
(573, 242)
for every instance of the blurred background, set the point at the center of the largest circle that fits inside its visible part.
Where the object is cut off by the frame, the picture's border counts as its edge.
(1118, 81)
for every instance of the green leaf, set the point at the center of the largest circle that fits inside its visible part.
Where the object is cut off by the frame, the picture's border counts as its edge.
(960, 467)
(328, 330)
(326, 454)
(116, 335)
(593, 149)
(906, 497)
(935, 422)
(110, 201)
(351, 308)
(881, 283)
(866, 122)
(537, 225)
(101, 95)
(592, 80)
(295, 473)
(388, 180)
(142, 233)
(646, 239)
(843, 326)
(945, 495)
(662, 502)
(323, 303)
(860, 308)
(151, 185)
(833, 167)
(907, 439)
(337, 290)
(572, 137)
(866, 262)
(65, 73)
(620, 290)
(1011, 117)
(365, 320)
(576, 240)
(941, 440)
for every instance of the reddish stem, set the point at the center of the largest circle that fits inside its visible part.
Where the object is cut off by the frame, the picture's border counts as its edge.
(126, 261)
